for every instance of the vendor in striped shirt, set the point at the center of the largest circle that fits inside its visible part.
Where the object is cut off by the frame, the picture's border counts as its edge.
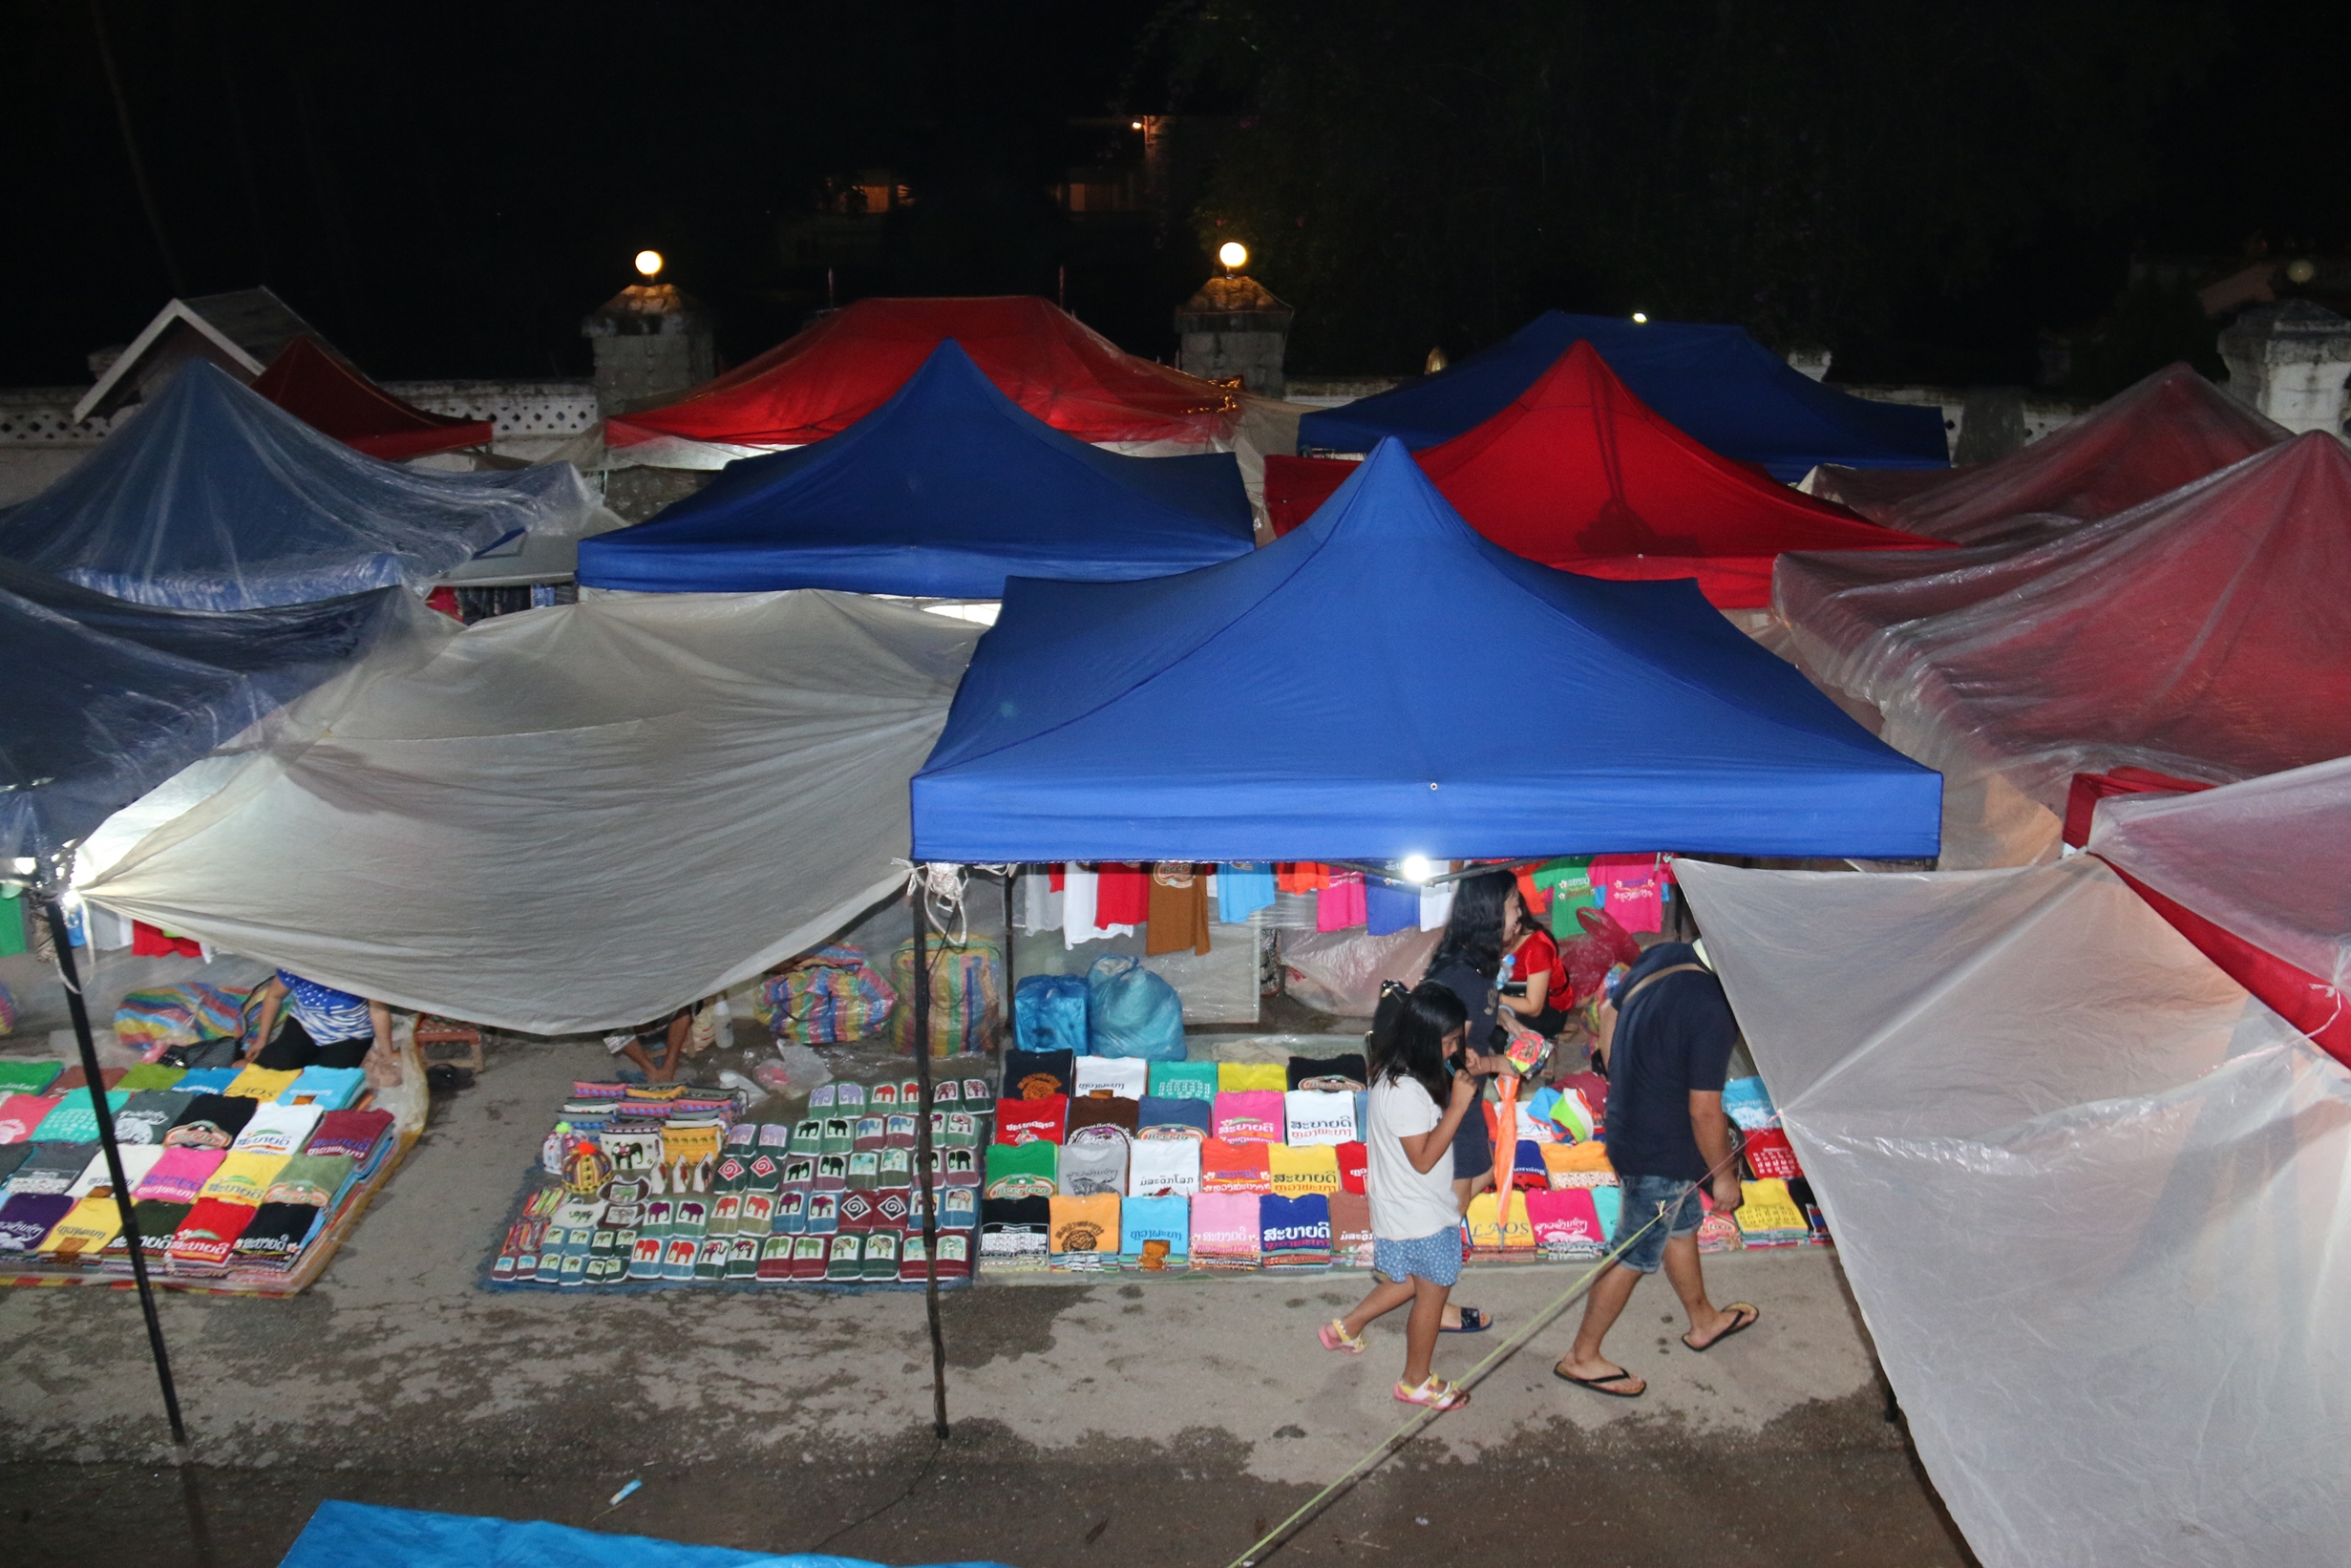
(323, 1027)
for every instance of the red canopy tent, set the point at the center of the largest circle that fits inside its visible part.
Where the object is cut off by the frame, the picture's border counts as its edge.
(329, 395)
(2166, 431)
(1579, 474)
(824, 379)
(2200, 634)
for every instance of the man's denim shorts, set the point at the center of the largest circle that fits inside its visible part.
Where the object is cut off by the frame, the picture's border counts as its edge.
(1643, 1197)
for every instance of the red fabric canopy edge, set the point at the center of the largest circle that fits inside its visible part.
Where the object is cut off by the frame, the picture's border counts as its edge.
(324, 392)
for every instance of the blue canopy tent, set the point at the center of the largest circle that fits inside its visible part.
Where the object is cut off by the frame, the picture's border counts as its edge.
(107, 699)
(942, 492)
(1716, 384)
(213, 497)
(1381, 682)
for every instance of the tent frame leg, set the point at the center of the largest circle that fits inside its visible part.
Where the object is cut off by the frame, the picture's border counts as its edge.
(61, 937)
(925, 1158)
(1011, 972)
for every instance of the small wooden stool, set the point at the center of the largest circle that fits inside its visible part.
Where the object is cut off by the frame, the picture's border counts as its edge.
(432, 1031)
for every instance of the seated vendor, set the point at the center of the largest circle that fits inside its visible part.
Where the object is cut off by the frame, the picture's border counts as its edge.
(323, 1027)
(665, 1034)
(1535, 983)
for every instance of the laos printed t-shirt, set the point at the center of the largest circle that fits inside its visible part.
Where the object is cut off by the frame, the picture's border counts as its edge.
(1315, 1115)
(1251, 1075)
(1566, 1222)
(1034, 1075)
(1224, 1225)
(76, 1121)
(1023, 1170)
(1086, 1225)
(1184, 1080)
(1296, 1170)
(1164, 1165)
(1025, 1121)
(1176, 1117)
(1248, 1116)
(1094, 1161)
(1237, 1168)
(1126, 1076)
(1293, 1231)
(1154, 1232)
(1494, 1227)
(278, 1130)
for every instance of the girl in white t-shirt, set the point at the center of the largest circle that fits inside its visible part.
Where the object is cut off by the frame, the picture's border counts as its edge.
(1418, 1099)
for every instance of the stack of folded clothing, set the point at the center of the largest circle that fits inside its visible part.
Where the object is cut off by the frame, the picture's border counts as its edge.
(1125, 1077)
(20, 1114)
(25, 1219)
(329, 1087)
(208, 1080)
(1085, 1233)
(1769, 1157)
(1173, 1116)
(1182, 1081)
(211, 1121)
(1767, 1217)
(1247, 1115)
(1252, 1077)
(1043, 1117)
(1016, 1233)
(1295, 1170)
(1225, 1234)
(179, 1175)
(81, 1238)
(28, 1077)
(150, 1113)
(366, 1135)
(1093, 1161)
(1319, 1116)
(1566, 1222)
(1294, 1234)
(76, 1121)
(1163, 1166)
(158, 1222)
(278, 1130)
(1500, 1230)
(242, 1179)
(261, 1083)
(1578, 1165)
(1039, 1075)
(1154, 1233)
(137, 1159)
(293, 1210)
(1024, 1170)
(48, 1168)
(1235, 1168)
(1104, 1108)
(1350, 1230)
(201, 1246)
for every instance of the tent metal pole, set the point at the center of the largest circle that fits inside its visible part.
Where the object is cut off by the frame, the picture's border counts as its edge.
(1011, 973)
(925, 1158)
(62, 938)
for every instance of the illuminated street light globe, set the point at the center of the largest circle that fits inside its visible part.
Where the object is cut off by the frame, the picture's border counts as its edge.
(1232, 253)
(649, 262)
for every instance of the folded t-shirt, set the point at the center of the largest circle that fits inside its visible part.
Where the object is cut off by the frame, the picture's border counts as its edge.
(76, 1121)
(278, 1130)
(156, 1222)
(180, 1175)
(209, 1232)
(74, 1077)
(315, 1179)
(26, 1217)
(1126, 1076)
(1224, 1228)
(137, 1159)
(1566, 1222)
(1034, 1075)
(21, 1114)
(149, 1114)
(1235, 1168)
(1154, 1233)
(1015, 1232)
(1494, 1227)
(1164, 1165)
(1339, 1072)
(151, 1075)
(11, 1156)
(1319, 1115)
(51, 1168)
(208, 1080)
(1248, 1116)
(1094, 1161)
(1183, 1080)
(85, 1229)
(1354, 1160)
(1196, 1117)
(1297, 1170)
(1244, 1076)
(1024, 1121)
(1293, 1231)
(28, 1077)
(1350, 1230)
(211, 1121)
(1105, 1110)
(262, 1083)
(329, 1087)
(242, 1177)
(277, 1232)
(1024, 1170)
(1084, 1226)
(353, 1132)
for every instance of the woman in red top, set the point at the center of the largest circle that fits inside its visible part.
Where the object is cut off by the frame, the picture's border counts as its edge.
(1531, 958)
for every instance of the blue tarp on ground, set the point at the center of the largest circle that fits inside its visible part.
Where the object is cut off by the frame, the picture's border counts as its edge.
(213, 497)
(1716, 384)
(343, 1534)
(107, 699)
(1381, 682)
(942, 492)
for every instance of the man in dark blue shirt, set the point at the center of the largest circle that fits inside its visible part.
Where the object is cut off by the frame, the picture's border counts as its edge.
(1668, 1054)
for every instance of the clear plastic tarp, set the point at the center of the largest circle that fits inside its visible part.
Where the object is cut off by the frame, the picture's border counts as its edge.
(106, 700)
(2090, 1196)
(2199, 635)
(572, 819)
(2156, 435)
(2267, 860)
(213, 497)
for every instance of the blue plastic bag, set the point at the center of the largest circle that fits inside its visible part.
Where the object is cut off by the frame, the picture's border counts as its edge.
(1049, 1013)
(1131, 1012)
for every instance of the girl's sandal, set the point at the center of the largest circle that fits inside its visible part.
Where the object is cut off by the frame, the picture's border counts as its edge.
(1334, 1336)
(1435, 1393)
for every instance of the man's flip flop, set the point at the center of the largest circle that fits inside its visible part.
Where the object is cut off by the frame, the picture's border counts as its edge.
(1754, 1315)
(1600, 1384)
(1473, 1320)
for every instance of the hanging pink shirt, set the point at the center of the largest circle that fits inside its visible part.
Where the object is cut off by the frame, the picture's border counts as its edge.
(1634, 889)
(1341, 906)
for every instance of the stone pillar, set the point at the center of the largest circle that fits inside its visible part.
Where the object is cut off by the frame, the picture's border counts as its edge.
(2290, 361)
(1234, 328)
(652, 347)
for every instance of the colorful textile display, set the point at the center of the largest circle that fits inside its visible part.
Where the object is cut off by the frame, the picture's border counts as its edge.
(1085, 1232)
(1248, 1116)
(1296, 1170)
(1294, 1233)
(1566, 1222)
(20, 1114)
(1188, 1080)
(1154, 1233)
(1094, 1161)
(1319, 1116)
(967, 996)
(1235, 1168)
(1226, 1232)
(1164, 1166)
(825, 998)
(1024, 1170)
(151, 1022)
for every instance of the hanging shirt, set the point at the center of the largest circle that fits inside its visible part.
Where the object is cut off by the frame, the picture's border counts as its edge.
(325, 1014)
(1339, 906)
(1123, 893)
(1242, 889)
(1178, 906)
(1634, 886)
(1391, 905)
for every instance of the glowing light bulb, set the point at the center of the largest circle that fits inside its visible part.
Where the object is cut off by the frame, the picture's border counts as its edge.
(1232, 253)
(1134, 125)
(649, 262)
(1417, 868)
(1641, 318)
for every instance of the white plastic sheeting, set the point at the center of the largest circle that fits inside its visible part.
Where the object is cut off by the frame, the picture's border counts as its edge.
(572, 819)
(2267, 860)
(2089, 1195)
(2200, 635)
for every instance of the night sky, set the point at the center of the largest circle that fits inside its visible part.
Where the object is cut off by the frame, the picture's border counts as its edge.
(446, 189)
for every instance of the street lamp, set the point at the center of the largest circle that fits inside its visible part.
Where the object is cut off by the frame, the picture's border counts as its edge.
(649, 264)
(1233, 254)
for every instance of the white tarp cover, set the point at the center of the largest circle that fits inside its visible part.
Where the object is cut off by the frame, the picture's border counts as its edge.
(2267, 860)
(2201, 635)
(2091, 1196)
(577, 817)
